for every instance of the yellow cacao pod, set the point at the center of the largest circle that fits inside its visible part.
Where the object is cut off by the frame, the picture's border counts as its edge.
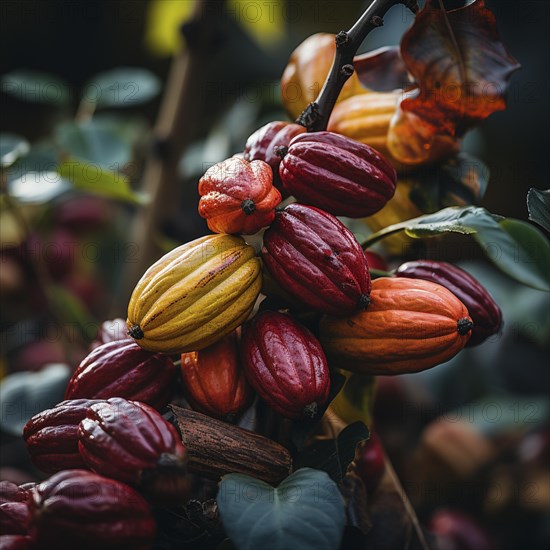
(307, 70)
(366, 118)
(195, 294)
(399, 208)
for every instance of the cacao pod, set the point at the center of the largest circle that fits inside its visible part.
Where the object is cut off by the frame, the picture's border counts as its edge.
(214, 382)
(80, 509)
(339, 175)
(123, 369)
(238, 196)
(110, 331)
(376, 261)
(483, 310)
(306, 72)
(285, 364)
(15, 542)
(316, 259)
(366, 118)
(51, 436)
(409, 326)
(370, 461)
(266, 143)
(14, 511)
(195, 294)
(131, 442)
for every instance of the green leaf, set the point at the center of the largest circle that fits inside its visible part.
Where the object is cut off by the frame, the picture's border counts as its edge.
(36, 87)
(334, 455)
(12, 147)
(122, 87)
(305, 511)
(93, 179)
(519, 250)
(95, 144)
(538, 204)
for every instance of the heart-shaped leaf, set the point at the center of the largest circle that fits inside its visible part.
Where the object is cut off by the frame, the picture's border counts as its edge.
(334, 455)
(305, 511)
(460, 66)
(382, 70)
(538, 204)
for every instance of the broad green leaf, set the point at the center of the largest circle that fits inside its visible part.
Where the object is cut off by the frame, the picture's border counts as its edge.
(306, 512)
(12, 147)
(38, 187)
(94, 144)
(100, 181)
(334, 455)
(122, 87)
(518, 249)
(36, 87)
(538, 204)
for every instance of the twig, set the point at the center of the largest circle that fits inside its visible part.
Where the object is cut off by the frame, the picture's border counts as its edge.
(178, 117)
(316, 115)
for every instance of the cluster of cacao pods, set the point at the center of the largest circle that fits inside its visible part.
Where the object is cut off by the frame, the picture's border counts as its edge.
(203, 305)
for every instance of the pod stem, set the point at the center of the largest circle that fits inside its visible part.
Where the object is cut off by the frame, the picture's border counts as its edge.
(135, 332)
(315, 116)
(464, 326)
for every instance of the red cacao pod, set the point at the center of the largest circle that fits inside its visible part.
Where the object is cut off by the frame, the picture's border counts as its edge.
(51, 436)
(316, 259)
(124, 369)
(110, 331)
(214, 381)
(15, 542)
(376, 261)
(483, 310)
(131, 442)
(14, 511)
(265, 143)
(80, 509)
(370, 461)
(238, 196)
(285, 364)
(339, 175)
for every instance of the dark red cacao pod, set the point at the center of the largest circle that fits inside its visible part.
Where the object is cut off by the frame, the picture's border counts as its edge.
(376, 261)
(285, 364)
(77, 509)
(110, 331)
(14, 511)
(51, 436)
(370, 461)
(316, 259)
(266, 143)
(336, 173)
(124, 369)
(15, 542)
(214, 381)
(131, 442)
(483, 310)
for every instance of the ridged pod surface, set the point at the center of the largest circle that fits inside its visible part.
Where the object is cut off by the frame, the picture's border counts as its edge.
(195, 294)
(483, 310)
(77, 509)
(131, 442)
(238, 196)
(316, 259)
(14, 510)
(336, 173)
(285, 364)
(123, 369)
(51, 436)
(214, 381)
(409, 326)
(265, 143)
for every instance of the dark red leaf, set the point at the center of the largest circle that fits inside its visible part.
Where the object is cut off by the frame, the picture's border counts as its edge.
(382, 70)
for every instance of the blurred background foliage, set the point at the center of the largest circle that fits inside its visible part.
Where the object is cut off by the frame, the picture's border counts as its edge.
(81, 88)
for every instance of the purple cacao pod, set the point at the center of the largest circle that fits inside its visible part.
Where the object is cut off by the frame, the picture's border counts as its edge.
(14, 510)
(110, 331)
(266, 143)
(80, 509)
(124, 369)
(51, 436)
(336, 173)
(483, 310)
(285, 364)
(316, 259)
(131, 442)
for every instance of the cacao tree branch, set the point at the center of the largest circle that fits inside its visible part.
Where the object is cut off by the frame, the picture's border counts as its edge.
(315, 116)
